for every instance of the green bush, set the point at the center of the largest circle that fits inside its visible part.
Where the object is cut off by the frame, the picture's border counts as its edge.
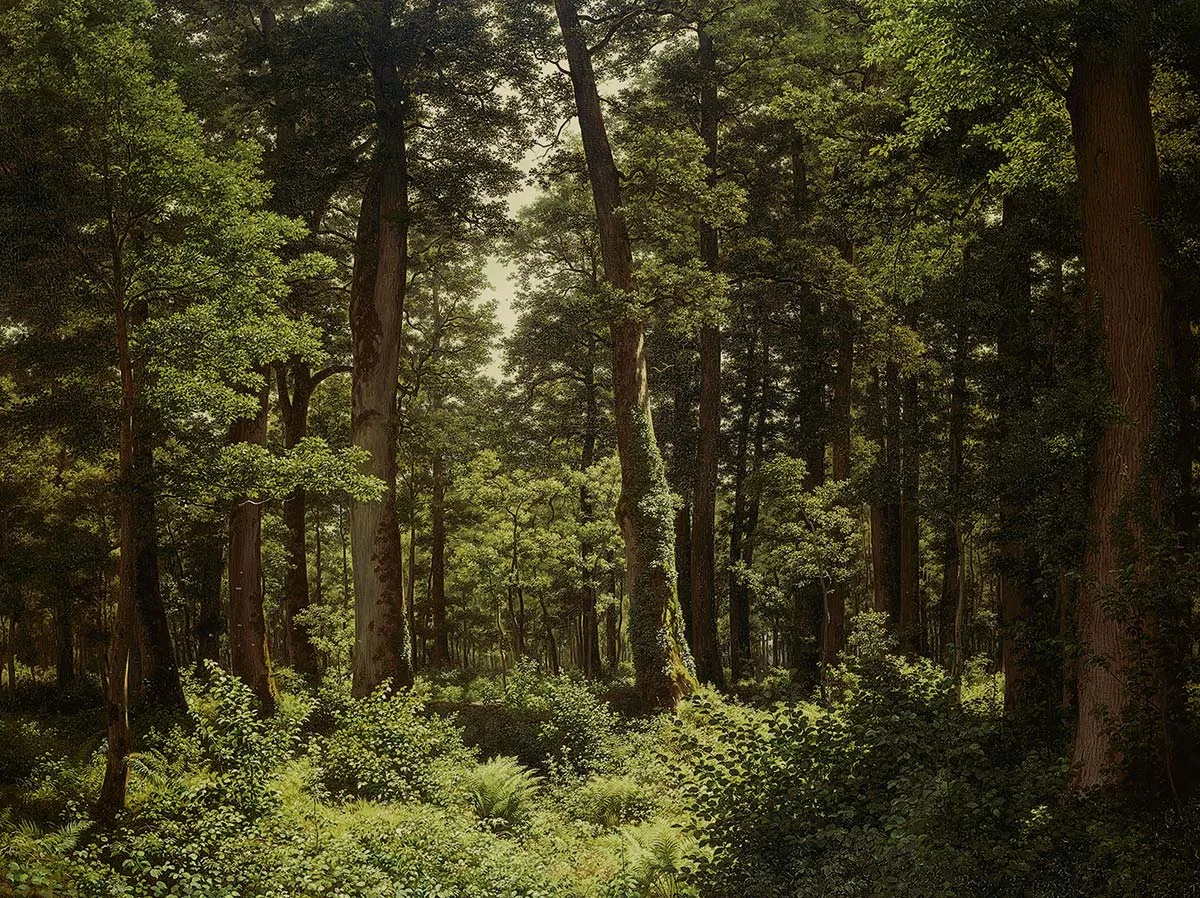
(555, 724)
(501, 793)
(901, 791)
(385, 747)
(611, 801)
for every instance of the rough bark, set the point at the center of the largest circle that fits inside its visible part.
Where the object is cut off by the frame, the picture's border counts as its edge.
(1125, 684)
(663, 665)
(249, 655)
(381, 646)
(294, 405)
(705, 649)
(951, 556)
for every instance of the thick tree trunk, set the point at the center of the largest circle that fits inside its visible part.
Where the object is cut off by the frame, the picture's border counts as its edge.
(294, 411)
(381, 645)
(249, 656)
(705, 648)
(662, 662)
(1125, 684)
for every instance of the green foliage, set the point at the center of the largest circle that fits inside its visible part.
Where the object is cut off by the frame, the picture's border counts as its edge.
(610, 801)
(555, 724)
(900, 788)
(501, 792)
(384, 747)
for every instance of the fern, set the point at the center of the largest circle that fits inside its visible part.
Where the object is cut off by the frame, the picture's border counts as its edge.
(501, 792)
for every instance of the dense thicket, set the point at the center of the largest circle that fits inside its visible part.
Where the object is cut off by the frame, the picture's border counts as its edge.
(686, 354)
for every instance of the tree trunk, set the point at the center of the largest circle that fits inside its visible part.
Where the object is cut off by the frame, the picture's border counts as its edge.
(249, 657)
(64, 666)
(910, 527)
(662, 662)
(437, 563)
(1125, 684)
(951, 557)
(705, 649)
(590, 646)
(208, 556)
(833, 639)
(294, 407)
(381, 645)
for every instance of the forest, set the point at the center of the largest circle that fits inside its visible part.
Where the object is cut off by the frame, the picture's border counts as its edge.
(600, 448)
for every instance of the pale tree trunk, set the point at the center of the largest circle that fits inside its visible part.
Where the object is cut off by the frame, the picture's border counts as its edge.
(381, 646)
(249, 657)
(662, 662)
(1125, 683)
(704, 492)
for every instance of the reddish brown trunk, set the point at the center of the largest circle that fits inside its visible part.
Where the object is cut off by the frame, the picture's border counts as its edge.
(705, 648)
(662, 663)
(249, 657)
(1124, 684)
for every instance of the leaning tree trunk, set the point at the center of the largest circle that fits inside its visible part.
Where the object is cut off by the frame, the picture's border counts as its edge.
(662, 662)
(704, 644)
(249, 657)
(381, 646)
(1127, 683)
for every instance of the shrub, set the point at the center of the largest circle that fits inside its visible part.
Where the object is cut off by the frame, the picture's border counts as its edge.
(501, 793)
(551, 723)
(385, 748)
(611, 801)
(901, 791)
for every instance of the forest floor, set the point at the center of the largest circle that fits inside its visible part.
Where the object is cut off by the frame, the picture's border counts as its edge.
(536, 786)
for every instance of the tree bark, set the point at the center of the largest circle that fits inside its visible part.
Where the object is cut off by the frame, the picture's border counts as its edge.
(207, 552)
(1125, 683)
(833, 638)
(294, 406)
(909, 618)
(381, 646)
(705, 649)
(951, 556)
(437, 563)
(663, 665)
(249, 656)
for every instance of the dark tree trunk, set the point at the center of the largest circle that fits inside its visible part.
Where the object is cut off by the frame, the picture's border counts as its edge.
(1125, 684)
(437, 563)
(207, 551)
(590, 646)
(1028, 686)
(64, 666)
(662, 662)
(951, 557)
(381, 645)
(910, 532)
(705, 648)
(294, 411)
(249, 657)
(739, 610)
(833, 638)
